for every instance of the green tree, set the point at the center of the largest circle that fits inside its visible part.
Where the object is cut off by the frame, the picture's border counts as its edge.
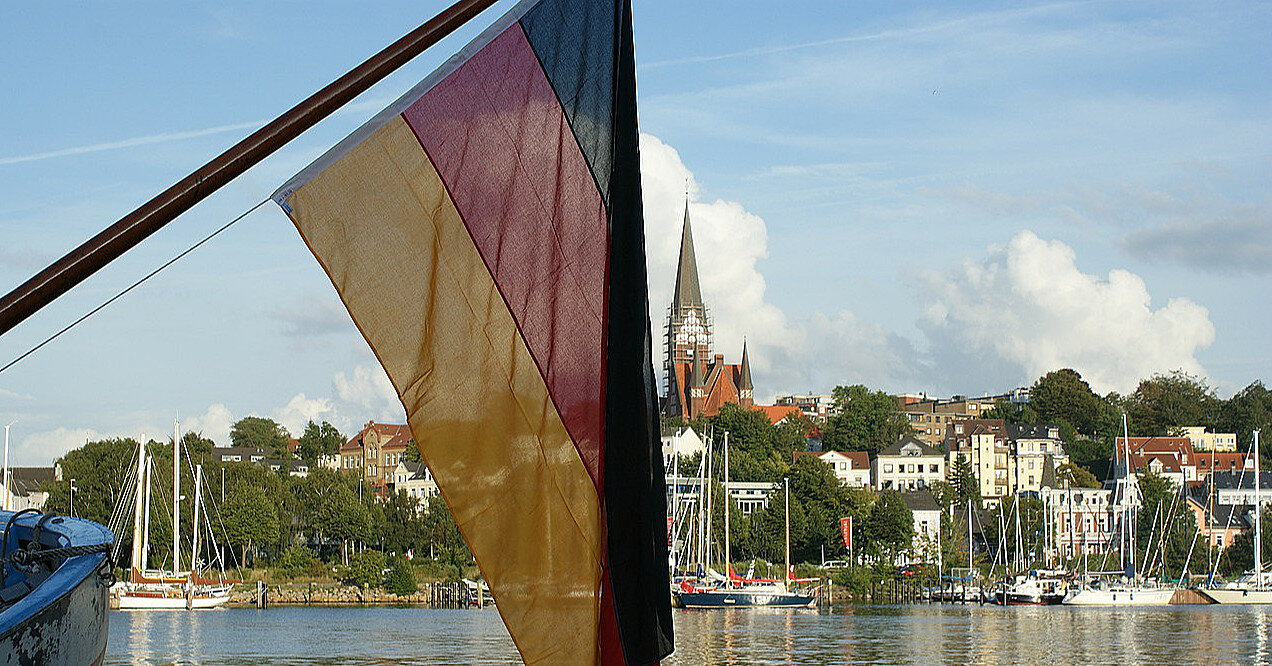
(297, 560)
(401, 578)
(319, 440)
(366, 569)
(339, 515)
(257, 432)
(1162, 404)
(1063, 397)
(1238, 557)
(889, 528)
(863, 420)
(1164, 528)
(963, 479)
(1012, 412)
(250, 519)
(1077, 477)
(1249, 410)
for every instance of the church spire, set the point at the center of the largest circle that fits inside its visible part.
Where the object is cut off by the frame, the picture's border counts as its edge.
(687, 290)
(745, 382)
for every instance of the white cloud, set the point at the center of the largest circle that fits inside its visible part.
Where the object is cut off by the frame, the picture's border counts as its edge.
(214, 424)
(42, 448)
(300, 410)
(368, 389)
(786, 354)
(1028, 309)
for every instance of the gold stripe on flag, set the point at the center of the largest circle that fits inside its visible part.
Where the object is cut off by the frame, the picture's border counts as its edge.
(382, 225)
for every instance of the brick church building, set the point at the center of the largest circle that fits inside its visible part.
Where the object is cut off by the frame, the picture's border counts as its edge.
(699, 382)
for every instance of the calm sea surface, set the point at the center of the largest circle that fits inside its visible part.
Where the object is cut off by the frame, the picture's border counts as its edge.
(861, 634)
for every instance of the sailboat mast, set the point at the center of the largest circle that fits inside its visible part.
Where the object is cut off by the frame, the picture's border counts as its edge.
(728, 563)
(198, 508)
(176, 496)
(675, 504)
(137, 509)
(787, 569)
(1258, 520)
(969, 537)
(145, 535)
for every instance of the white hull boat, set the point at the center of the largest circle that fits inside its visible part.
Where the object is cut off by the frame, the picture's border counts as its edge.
(1119, 595)
(167, 596)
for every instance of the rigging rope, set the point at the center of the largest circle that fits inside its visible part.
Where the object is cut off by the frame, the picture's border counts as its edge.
(134, 285)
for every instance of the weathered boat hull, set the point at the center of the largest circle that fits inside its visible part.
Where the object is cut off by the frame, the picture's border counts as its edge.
(63, 620)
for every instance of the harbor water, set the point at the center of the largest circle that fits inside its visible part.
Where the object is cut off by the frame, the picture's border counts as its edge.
(911, 634)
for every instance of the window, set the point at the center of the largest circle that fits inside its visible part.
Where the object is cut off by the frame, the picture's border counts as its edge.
(935, 469)
(887, 469)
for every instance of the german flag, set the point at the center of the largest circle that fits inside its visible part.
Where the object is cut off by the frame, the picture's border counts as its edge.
(485, 233)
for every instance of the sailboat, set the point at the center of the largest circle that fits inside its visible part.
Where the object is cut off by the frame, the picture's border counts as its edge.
(158, 589)
(736, 591)
(1129, 590)
(1255, 587)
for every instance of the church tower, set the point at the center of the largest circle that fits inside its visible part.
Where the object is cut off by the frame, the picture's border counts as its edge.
(688, 330)
(746, 390)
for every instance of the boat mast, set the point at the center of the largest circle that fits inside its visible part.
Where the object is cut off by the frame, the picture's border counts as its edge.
(176, 496)
(787, 570)
(969, 540)
(145, 535)
(1258, 522)
(675, 504)
(728, 563)
(137, 509)
(198, 507)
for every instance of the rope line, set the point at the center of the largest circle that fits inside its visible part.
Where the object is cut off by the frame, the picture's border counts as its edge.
(134, 285)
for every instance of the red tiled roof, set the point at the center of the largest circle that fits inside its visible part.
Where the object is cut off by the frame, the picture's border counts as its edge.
(1226, 462)
(776, 413)
(392, 435)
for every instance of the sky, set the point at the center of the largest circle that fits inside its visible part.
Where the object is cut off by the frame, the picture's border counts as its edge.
(949, 199)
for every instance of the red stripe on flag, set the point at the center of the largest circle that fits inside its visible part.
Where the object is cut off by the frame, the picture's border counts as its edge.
(498, 137)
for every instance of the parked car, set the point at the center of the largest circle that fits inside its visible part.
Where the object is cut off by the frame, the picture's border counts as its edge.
(834, 564)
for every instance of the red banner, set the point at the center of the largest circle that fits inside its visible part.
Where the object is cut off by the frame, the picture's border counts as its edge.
(669, 543)
(845, 528)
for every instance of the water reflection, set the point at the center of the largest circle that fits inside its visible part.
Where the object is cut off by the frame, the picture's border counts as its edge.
(863, 634)
(973, 635)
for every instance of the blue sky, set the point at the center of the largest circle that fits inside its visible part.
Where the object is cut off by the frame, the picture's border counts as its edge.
(949, 199)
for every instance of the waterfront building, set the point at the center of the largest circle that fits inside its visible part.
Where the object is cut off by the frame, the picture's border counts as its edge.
(1211, 461)
(1217, 523)
(1081, 520)
(374, 452)
(812, 405)
(750, 496)
(1036, 451)
(415, 479)
(254, 456)
(683, 442)
(982, 443)
(852, 468)
(1170, 457)
(926, 544)
(26, 487)
(1236, 488)
(1223, 442)
(907, 465)
(1007, 458)
(931, 417)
